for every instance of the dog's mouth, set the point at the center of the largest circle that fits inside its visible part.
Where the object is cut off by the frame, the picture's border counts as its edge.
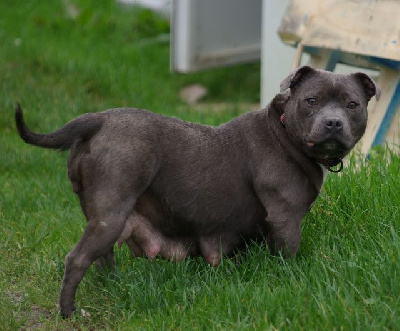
(327, 149)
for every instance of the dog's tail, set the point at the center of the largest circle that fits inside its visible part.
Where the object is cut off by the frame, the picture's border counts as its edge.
(82, 127)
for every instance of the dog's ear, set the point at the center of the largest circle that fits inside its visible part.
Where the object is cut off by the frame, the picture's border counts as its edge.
(368, 84)
(280, 100)
(295, 77)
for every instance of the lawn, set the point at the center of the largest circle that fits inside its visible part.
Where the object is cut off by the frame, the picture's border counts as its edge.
(61, 59)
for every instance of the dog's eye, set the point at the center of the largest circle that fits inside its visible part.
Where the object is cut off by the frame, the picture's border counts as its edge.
(312, 101)
(352, 105)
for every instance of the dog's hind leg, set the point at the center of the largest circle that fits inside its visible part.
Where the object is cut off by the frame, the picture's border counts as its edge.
(106, 262)
(103, 229)
(109, 200)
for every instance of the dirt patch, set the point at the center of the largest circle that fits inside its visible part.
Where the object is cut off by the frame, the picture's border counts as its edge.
(30, 316)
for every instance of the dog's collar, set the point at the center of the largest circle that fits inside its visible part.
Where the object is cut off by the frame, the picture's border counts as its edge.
(329, 164)
(283, 119)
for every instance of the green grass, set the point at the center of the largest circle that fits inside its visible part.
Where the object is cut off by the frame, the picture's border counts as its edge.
(346, 275)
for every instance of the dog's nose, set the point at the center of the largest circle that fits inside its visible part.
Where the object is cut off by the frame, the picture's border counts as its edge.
(333, 124)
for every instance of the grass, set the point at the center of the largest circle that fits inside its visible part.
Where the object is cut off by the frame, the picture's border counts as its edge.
(346, 275)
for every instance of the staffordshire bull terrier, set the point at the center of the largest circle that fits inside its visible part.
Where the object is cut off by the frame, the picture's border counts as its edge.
(174, 189)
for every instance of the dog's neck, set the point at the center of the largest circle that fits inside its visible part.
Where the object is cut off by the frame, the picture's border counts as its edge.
(310, 167)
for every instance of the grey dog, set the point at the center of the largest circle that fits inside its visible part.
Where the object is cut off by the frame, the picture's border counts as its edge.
(174, 189)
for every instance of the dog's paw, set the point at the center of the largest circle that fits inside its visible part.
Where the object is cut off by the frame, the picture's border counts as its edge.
(66, 310)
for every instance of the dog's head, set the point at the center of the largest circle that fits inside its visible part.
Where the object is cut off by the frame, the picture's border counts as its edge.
(325, 112)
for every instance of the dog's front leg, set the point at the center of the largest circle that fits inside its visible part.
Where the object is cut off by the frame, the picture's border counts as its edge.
(285, 209)
(283, 223)
(283, 235)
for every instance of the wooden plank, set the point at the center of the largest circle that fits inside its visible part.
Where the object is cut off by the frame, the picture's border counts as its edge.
(360, 27)
(326, 59)
(393, 136)
(390, 113)
(382, 112)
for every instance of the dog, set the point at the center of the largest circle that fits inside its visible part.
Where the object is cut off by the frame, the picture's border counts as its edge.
(173, 189)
